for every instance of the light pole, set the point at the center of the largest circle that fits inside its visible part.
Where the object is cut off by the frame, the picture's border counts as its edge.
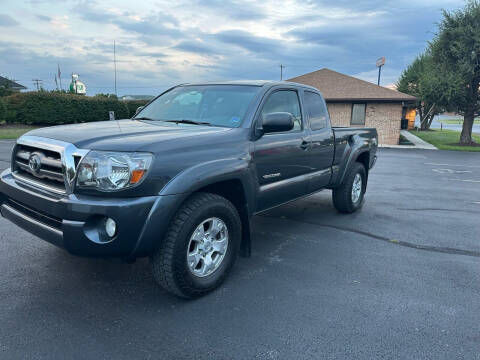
(380, 63)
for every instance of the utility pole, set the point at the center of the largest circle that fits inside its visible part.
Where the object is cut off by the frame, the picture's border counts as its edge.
(38, 83)
(281, 71)
(115, 65)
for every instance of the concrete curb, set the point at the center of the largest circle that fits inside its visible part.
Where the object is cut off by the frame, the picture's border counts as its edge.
(419, 143)
(415, 140)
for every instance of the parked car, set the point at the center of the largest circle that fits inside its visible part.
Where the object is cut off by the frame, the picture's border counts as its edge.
(181, 181)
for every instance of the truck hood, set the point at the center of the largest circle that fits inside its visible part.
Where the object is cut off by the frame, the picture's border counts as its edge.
(124, 135)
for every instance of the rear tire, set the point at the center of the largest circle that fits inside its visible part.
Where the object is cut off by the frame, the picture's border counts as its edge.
(189, 236)
(348, 197)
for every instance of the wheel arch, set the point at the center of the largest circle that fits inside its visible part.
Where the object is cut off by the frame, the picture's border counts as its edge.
(164, 210)
(233, 190)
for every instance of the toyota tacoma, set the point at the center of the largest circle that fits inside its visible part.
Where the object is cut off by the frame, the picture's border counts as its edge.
(181, 180)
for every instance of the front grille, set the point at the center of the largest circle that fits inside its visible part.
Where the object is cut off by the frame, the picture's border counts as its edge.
(35, 214)
(40, 166)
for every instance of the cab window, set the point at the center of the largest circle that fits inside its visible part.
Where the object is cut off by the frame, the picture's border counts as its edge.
(284, 101)
(316, 110)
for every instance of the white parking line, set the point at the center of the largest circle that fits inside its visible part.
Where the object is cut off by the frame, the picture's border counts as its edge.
(465, 180)
(469, 166)
(450, 171)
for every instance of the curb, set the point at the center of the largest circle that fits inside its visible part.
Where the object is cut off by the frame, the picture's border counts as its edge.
(417, 142)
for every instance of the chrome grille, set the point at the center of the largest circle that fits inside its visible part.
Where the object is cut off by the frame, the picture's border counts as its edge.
(46, 163)
(50, 166)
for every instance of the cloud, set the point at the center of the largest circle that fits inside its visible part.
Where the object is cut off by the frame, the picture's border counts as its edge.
(7, 20)
(160, 43)
(43, 18)
(236, 10)
(196, 47)
(248, 41)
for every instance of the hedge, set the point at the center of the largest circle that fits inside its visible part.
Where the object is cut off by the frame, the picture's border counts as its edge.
(3, 110)
(43, 108)
(133, 105)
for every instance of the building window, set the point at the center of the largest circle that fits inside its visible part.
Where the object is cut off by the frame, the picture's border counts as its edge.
(358, 114)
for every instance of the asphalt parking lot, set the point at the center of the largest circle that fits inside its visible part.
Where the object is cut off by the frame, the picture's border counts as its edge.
(398, 280)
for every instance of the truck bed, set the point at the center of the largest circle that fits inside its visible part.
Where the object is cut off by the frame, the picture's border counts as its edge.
(343, 139)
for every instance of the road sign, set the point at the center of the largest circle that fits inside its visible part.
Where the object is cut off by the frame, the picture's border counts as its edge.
(381, 61)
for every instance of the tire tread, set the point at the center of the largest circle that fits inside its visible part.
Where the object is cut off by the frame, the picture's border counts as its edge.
(341, 196)
(163, 260)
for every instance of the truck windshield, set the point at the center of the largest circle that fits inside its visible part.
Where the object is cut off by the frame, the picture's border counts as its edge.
(217, 105)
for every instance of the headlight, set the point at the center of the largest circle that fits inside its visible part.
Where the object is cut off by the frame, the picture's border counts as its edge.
(110, 171)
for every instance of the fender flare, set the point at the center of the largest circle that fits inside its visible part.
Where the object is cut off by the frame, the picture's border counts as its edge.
(179, 188)
(355, 147)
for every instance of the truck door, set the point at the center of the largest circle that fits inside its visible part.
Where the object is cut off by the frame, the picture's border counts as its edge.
(281, 159)
(321, 140)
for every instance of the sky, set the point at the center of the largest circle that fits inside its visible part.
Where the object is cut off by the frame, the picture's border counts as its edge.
(163, 43)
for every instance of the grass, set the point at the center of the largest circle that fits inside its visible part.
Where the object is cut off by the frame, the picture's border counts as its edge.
(446, 139)
(14, 131)
(458, 121)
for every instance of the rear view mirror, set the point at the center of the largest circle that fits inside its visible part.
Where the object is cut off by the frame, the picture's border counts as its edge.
(277, 122)
(139, 109)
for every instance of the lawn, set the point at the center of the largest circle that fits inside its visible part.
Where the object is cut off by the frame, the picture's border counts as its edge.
(14, 131)
(446, 139)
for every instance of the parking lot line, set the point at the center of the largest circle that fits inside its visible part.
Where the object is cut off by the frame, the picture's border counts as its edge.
(471, 166)
(465, 180)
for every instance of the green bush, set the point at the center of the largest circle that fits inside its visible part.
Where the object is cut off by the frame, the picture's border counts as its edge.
(132, 105)
(45, 108)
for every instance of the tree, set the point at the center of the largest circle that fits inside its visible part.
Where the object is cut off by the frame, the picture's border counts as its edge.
(6, 89)
(421, 79)
(456, 51)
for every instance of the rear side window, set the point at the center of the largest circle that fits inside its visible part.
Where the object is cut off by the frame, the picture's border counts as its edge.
(284, 101)
(316, 110)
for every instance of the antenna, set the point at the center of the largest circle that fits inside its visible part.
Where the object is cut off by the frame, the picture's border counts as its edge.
(281, 71)
(115, 65)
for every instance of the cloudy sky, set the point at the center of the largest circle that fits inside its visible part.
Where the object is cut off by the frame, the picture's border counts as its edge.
(163, 43)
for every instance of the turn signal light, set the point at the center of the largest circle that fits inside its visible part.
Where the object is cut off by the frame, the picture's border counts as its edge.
(136, 176)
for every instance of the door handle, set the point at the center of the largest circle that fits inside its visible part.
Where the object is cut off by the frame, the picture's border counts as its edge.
(304, 145)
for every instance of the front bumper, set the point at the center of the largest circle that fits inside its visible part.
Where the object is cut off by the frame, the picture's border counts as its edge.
(76, 222)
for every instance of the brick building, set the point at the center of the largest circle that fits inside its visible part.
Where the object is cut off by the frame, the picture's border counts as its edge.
(355, 102)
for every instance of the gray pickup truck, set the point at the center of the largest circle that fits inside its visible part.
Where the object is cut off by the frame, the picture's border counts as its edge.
(181, 181)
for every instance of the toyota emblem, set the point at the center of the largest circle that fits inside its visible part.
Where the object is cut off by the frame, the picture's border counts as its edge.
(34, 162)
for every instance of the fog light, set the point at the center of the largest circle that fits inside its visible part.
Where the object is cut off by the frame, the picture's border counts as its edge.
(110, 227)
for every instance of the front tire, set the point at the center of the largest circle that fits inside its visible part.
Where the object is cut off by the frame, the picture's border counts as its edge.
(348, 197)
(200, 246)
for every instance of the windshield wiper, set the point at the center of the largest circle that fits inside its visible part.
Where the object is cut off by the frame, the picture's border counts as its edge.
(186, 121)
(143, 118)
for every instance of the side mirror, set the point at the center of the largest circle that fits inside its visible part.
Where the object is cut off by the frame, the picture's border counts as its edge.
(277, 122)
(139, 109)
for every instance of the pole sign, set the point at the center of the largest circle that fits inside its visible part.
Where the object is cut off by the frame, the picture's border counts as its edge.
(381, 61)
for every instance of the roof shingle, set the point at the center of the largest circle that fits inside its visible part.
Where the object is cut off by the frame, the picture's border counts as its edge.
(340, 87)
